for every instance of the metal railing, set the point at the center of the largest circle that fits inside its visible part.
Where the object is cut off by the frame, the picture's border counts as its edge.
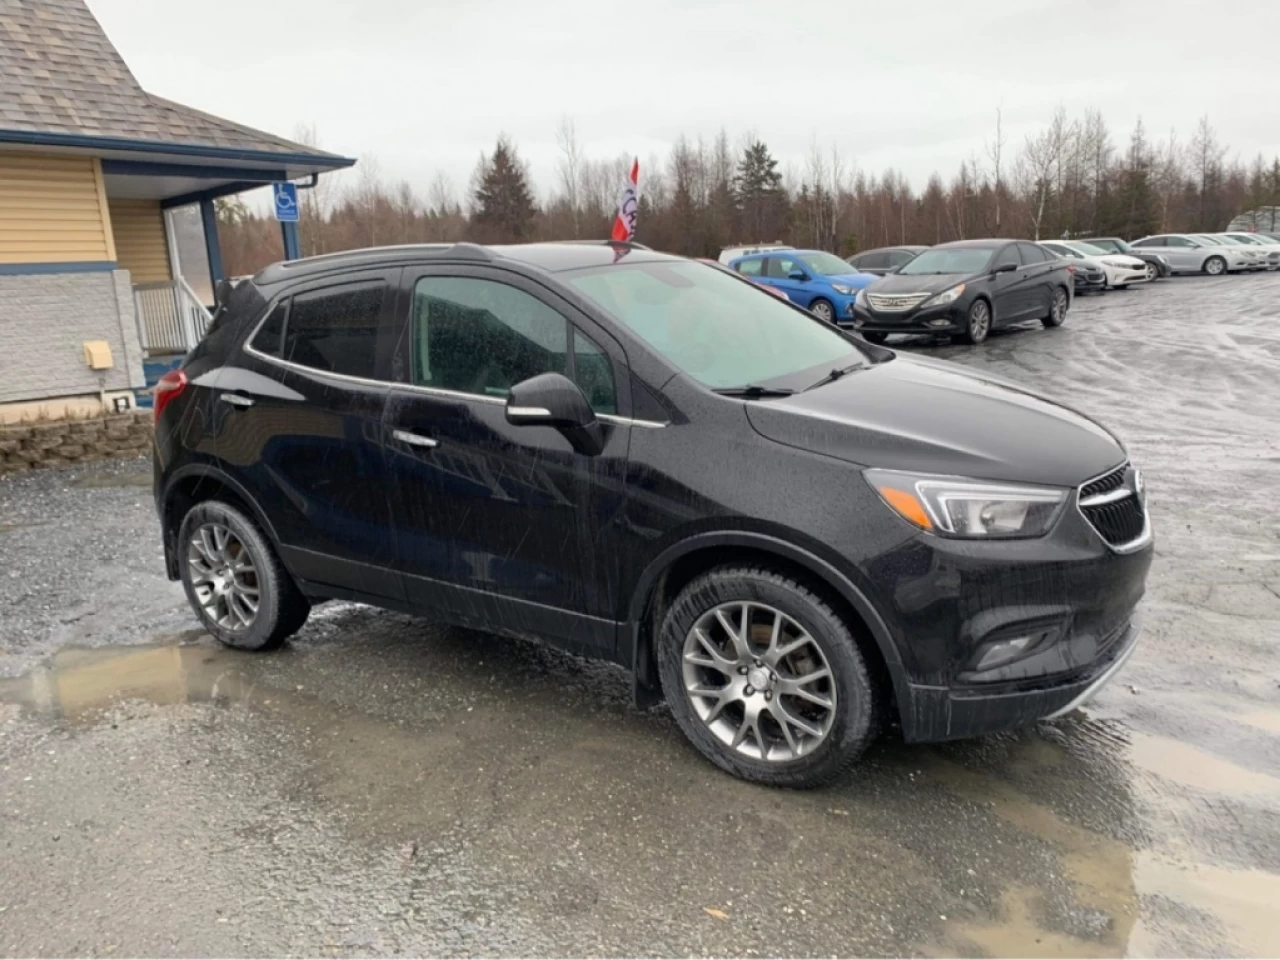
(171, 318)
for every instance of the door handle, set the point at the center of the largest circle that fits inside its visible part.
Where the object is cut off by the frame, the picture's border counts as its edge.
(414, 439)
(235, 399)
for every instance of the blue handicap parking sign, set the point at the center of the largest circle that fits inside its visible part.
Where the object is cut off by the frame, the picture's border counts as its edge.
(286, 201)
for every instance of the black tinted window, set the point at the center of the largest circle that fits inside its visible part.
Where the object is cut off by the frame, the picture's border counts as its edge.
(1032, 253)
(336, 329)
(593, 372)
(481, 336)
(872, 261)
(267, 339)
(897, 258)
(1009, 255)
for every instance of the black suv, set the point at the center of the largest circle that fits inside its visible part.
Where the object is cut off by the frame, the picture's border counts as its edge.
(792, 535)
(966, 289)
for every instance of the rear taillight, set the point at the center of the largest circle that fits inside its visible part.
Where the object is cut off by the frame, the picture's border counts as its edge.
(169, 387)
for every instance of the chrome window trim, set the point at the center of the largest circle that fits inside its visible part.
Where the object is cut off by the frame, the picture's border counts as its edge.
(248, 348)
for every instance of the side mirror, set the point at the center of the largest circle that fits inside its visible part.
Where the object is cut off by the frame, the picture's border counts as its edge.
(1006, 267)
(798, 275)
(553, 400)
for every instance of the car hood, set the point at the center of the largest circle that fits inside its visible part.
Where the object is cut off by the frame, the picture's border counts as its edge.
(1126, 260)
(919, 283)
(938, 417)
(855, 280)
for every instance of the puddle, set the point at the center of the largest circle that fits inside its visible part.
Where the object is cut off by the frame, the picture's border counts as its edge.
(1191, 767)
(143, 479)
(78, 683)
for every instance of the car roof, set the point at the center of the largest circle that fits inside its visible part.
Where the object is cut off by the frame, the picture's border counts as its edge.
(897, 246)
(976, 244)
(549, 257)
(774, 253)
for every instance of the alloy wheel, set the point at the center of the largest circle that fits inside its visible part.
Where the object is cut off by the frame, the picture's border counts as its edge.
(822, 310)
(1059, 308)
(1215, 266)
(223, 577)
(979, 321)
(1152, 272)
(759, 681)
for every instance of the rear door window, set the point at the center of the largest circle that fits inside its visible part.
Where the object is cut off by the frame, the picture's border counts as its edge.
(1031, 253)
(1009, 255)
(335, 329)
(750, 268)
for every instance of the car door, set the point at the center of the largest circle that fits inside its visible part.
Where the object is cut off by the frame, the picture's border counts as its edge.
(1183, 254)
(778, 270)
(497, 523)
(299, 418)
(1009, 288)
(1039, 266)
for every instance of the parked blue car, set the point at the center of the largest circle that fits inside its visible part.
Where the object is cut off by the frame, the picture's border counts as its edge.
(820, 282)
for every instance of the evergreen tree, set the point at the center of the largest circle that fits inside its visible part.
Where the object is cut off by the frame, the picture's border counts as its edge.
(503, 208)
(761, 199)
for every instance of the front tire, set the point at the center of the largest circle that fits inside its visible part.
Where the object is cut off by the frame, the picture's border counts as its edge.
(234, 581)
(765, 678)
(823, 310)
(1057, 309)
(1153, 273)
(977, 323)
(1215, 266)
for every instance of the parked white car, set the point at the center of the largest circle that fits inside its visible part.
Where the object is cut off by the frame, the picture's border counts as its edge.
(1120, 268)
(1267, 247)
(1186, 254)
(733, 253)
(1256, 260)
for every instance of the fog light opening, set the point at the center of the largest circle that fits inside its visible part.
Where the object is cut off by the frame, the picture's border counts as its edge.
(940, 322)
(1002, 652)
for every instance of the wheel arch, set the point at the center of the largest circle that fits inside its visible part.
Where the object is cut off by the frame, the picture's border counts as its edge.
(197, 483)
(675, 566)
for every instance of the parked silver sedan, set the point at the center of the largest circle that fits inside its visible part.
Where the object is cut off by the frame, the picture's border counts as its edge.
(1267, 247)
(1186, 254)
(1256, 260)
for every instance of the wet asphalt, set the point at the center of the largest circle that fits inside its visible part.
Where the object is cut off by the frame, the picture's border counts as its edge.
(383, 785)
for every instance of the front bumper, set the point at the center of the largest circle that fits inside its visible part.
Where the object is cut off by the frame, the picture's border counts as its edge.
(928, 320)
(935, 714)
(949, 602)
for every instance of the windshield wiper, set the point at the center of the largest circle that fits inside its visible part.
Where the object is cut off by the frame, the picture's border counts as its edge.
(753, 391)
(836, 374)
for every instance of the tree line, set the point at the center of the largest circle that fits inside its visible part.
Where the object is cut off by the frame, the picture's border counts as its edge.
(1070, 178)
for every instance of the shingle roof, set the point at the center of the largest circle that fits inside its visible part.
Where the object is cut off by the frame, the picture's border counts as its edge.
(59, 74)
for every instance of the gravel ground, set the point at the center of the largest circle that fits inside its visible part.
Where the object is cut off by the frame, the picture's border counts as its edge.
(385, 786)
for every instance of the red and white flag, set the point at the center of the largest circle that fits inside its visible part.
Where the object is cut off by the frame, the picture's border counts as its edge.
(624, 227)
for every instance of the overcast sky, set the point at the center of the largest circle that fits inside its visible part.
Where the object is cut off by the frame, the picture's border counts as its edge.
(425, 85)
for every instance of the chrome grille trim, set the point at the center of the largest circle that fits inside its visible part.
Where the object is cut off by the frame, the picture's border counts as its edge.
(1110, 489)
(896, 302)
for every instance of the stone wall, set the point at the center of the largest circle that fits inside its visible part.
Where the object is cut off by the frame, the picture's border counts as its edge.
(56, 443)
(45, 318)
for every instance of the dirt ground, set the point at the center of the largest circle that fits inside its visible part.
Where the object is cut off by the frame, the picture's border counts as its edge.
(386, 786)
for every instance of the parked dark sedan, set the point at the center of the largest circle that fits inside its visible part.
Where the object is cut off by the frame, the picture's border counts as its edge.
(884, 259)
(1157, 265)
(967, 289)
(633, 456)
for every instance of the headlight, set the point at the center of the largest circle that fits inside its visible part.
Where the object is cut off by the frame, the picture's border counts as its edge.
(969, 509)
(1114, 262)
(861, 298)
(841, 289)
(946, 296)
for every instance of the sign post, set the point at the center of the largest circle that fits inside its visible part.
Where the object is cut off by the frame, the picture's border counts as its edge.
(285, 197)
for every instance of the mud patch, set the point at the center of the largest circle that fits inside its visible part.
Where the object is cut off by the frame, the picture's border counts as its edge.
(1190, 766)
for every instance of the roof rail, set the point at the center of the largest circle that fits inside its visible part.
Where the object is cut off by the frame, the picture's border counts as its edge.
(629, 244)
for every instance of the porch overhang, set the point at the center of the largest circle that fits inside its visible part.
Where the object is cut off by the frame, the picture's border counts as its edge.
(177, 173)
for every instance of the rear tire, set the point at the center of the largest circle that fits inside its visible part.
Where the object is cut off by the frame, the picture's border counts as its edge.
(1057, 309)
(978, 322)
(234, 581)
(791, 732)
(1215, 266)
(823, 310)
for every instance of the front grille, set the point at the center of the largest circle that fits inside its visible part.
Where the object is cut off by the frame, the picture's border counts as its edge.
(896, 302)
(1113, 507)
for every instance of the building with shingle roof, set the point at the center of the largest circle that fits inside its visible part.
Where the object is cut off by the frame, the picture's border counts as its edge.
(103, 185)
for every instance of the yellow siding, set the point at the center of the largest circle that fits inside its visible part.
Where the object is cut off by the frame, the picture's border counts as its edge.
(141, 248)
(52, 210)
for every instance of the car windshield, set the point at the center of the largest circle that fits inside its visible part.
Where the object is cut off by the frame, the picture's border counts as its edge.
(1199, 241)
(826, 264)
(1225, 241)
(1061, 250)
(954, 260)
(713, 326)
(1246, 239)
(1086, 249)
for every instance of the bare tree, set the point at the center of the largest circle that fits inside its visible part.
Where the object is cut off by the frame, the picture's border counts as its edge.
(1040, 162)
(570, 170)
(1206, 158)
(995, 151)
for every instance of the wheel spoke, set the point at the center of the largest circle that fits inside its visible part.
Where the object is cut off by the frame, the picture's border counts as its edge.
(739, 634)
(207, 541)
(815, 698)
(785, 716)
(718, 660)
(781, 717)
